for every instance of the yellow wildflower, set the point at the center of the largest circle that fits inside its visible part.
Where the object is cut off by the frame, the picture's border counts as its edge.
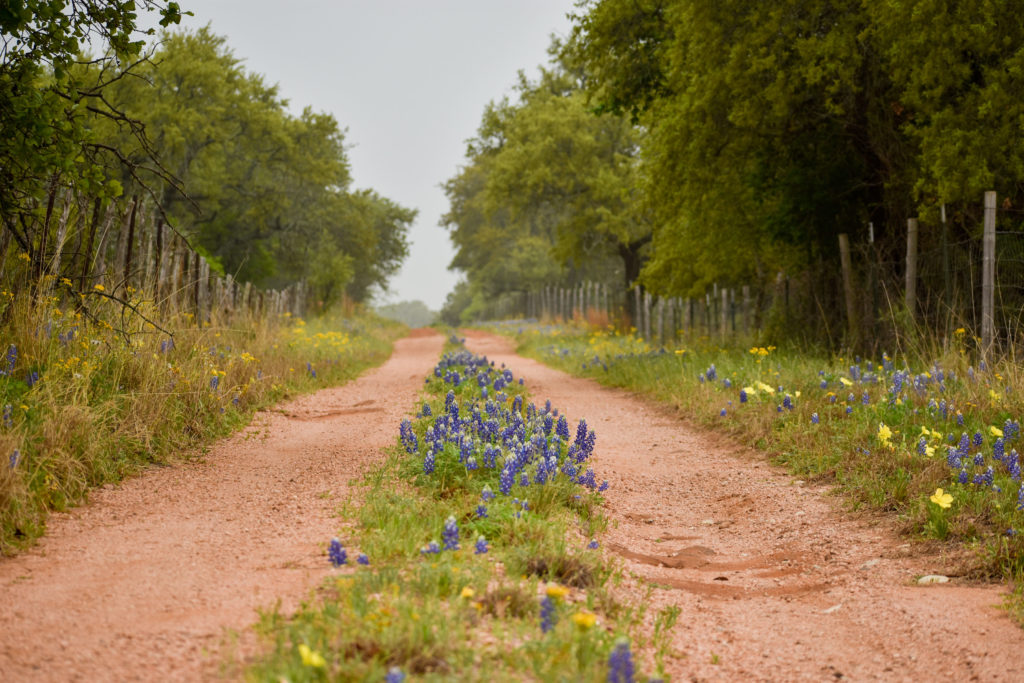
(99, 288)
(846, 382)
(311, 658)
(884, 434)
(996, 431)
(467, 592)
(584, 620)
(942, 499)
(765, 388)
(557, 592)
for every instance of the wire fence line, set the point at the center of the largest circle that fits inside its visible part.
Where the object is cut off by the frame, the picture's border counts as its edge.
(935, 284)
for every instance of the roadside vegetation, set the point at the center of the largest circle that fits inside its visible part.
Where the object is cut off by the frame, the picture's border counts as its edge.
(472, 554)
(932, 437)
(84, 404)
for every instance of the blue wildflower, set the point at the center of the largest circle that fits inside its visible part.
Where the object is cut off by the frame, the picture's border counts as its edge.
(787, 402)
(620, 663)
(978, 439)
(428, 462)
(15, 458)
(431, 548)
(395, 675)
(593, 545)
(8, 416)
(363, 559)
(450, 535)
(426, 411)
(743, 395)
(722, 412)
(12, 358)
(824, 384)
(815, 419)
(548, 618)
(214, 382)
(337, 553)
(481, 511)
(481, 546)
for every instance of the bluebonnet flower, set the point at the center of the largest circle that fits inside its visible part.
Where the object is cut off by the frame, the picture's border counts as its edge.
(506, 479)
(953, 459)
(1020, 498)
(711, 373)
(426, 412)
(620, 663)
(214, 382)
(450, 535)
(15, 458)
(593, 545)
(849, 409)
(363, 559)
(743, 395)
(603, 487)
(409, 439)
(1011, 429)
(431, 548)
(722, 412)
(999, 449)
(959, 419)
(978, 439)
(726, 383)
(395, 675)
(963, 477)
(481, 511)
(548, 618)
(471, 463)
(850, 398)
(979, 459)
(832, 398)
(815, 419)
(166, 345)
(787, 402)
(481, 546)
(524, 480)
(428, 462)
(922, 445)
(865, 399)
(31, 378)
(8, 416)
(487, 494)
(824, 384)
(310, 370)
(1013, 465)
(337, 553)
(562, 428)
(12, 358)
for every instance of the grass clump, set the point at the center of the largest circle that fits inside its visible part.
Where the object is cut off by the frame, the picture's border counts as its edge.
(478, 529)
(84, 403)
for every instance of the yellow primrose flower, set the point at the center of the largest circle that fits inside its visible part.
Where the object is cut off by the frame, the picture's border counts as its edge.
(750, 391)
(584, 620)
(995, 431)
(765, 388)
(846, 382)
(311, 658)
(942, 499)
(99, 288)
(467, 592)
(993, 395)
(557, 592)
(929, 451)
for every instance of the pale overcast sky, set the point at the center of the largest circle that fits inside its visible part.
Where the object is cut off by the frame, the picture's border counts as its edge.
(409, 79)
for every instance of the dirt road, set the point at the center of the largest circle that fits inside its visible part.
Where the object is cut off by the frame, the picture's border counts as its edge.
(772, 582)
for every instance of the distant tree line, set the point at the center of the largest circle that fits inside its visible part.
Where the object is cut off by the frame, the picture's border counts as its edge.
(264, 195)
(676, 144)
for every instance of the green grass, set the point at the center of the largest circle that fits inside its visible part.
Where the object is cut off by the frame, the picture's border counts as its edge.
(456, 614)
(104, 404)
(871, 452)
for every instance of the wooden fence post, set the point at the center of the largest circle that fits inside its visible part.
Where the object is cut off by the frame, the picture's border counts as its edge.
(911, 286)
(746, 309)
(725, 312)
(847, 267)
(988, 275)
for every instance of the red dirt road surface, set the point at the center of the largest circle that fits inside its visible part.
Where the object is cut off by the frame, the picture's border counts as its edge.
(772, 582)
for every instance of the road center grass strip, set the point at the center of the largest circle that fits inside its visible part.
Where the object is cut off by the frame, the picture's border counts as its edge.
(475, 551)
(82, 405)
